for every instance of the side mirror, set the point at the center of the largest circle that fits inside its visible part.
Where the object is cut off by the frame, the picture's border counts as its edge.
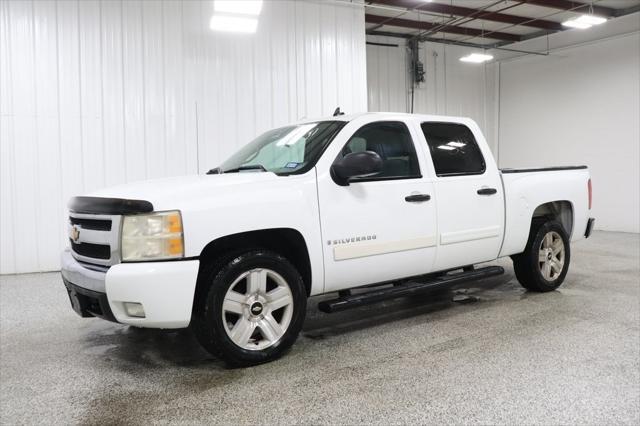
(355, 165)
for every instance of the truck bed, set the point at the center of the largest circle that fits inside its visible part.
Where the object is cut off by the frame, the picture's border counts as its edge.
(527, 189)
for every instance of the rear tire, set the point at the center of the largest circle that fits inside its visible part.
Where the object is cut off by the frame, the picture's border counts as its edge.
(545, 261)
(250, 308)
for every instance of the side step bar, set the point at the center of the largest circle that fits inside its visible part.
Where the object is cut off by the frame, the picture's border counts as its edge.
(406, 289)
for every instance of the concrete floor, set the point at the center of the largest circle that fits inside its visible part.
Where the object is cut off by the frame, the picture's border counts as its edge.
(571, 356)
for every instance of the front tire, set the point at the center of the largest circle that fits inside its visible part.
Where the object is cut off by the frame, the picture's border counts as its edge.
(545, 261)
(250, 308)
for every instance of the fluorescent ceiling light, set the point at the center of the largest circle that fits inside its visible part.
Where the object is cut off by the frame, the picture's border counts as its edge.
(476, 58)
(234, 24)
(584, 21)
(446, 147)
(575, 24)
(591, 20)
(242, 7)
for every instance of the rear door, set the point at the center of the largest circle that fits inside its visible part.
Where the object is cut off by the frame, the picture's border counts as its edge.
(468, 194)
(383, 227)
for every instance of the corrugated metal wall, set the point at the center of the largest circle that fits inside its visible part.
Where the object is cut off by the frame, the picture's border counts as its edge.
(97, 93)
(388, 82)
(450, 88)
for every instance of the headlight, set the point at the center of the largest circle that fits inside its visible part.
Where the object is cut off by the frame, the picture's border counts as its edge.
(152, 236)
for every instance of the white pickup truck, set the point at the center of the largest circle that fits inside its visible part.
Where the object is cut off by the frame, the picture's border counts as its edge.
(395, 202)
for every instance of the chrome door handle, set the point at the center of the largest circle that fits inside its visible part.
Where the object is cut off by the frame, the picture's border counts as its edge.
(417, 198)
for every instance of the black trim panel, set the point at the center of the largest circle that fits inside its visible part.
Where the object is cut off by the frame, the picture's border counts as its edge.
(96, 251)
(587, 232)
(173, 259)
(462, 173)
(93, 224)
(100, 205)
(93, 266)
(543, 169)
(89, 303)
(381, 179)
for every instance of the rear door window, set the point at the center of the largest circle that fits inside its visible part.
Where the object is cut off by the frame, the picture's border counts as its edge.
(453, 148)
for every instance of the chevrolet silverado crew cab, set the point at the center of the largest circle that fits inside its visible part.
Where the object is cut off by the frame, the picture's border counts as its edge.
(394, 203)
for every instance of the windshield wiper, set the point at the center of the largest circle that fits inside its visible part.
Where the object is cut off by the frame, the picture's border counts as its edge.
(243, 168)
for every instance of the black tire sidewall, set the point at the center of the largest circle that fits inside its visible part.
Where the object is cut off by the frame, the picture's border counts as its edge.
(212, 334)
(534, 248)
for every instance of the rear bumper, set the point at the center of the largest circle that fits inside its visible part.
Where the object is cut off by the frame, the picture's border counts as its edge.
(164, 289)
(589, 229)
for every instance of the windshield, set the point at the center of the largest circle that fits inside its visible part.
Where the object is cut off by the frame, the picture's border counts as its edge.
(284, 151)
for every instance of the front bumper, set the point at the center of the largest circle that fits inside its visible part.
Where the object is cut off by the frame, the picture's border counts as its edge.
(164, 289)
(88, 303)
(80, 275)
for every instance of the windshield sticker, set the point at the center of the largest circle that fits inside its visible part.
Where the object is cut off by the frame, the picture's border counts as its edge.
(291, 165)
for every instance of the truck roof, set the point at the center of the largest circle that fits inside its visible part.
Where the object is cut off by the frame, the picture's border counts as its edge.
(382, 115)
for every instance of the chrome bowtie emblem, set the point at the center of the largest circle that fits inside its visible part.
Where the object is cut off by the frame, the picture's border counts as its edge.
(74, 234)
(256, 308)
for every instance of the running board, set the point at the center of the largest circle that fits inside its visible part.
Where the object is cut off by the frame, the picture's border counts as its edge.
(406, 289)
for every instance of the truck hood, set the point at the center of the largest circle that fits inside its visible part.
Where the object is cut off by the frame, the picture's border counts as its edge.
(174, 192)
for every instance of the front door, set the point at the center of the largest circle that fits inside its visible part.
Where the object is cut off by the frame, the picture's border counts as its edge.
(379, 228)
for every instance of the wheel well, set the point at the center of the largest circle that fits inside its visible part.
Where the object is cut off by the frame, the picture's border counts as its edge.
(284, 241)
(562, 211)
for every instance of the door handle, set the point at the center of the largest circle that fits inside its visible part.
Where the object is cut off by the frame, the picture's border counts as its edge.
(417, 198)
(487, 191)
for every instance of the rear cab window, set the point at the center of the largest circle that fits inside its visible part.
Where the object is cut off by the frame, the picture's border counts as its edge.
(454, 150)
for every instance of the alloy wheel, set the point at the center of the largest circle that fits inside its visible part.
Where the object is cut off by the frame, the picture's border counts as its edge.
(257, 309)
(551, 256)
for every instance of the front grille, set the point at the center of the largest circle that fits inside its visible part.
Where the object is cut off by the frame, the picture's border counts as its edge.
(93, 224)
(97, 251)
(95, 239)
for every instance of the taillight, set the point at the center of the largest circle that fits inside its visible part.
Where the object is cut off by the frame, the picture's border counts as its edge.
(590, 193)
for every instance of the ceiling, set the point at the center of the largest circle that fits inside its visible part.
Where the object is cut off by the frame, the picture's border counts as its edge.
(483, 22)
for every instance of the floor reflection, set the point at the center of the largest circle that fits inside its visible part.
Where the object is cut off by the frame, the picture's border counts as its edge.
(129, 348)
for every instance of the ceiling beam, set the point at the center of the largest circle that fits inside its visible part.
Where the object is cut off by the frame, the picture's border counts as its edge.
(447, 9)
(451, 29)
(574, 6)
(453, 42)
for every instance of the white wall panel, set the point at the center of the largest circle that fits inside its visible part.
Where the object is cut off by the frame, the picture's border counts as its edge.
(450, 87)
(97, 93)
(7, 164)
(113, 93)
(579, 106)
(48, 184)
(133, 92)
(388, 81)
(23, 130)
